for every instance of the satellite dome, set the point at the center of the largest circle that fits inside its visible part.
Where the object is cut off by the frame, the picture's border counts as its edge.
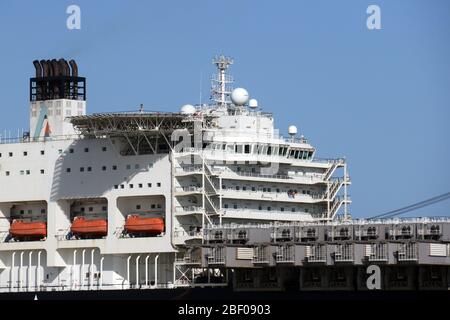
(187, 109)
(239, 96)
(253, 103)
(292, 130)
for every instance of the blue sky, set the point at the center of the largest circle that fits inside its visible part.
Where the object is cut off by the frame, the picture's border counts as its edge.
(380, 98)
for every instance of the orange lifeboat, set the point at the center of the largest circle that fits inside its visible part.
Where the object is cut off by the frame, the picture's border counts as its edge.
(138, 224)
(94, 228)
(23, 229)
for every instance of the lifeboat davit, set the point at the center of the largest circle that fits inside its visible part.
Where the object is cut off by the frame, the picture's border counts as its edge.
(89, 227)
(143, 225)
(23, 229)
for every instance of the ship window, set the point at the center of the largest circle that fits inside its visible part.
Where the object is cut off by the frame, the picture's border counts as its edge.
(269, 190)
(89, 169)
(225, 205)
(237, 188)
(82, 169)
(0, 154)
(42, 152)
(68, 170)
(291, 154)
(122, 186)
(114, 167)
(104, 168)
(10, 154)
(116, 186)
(136, 166)
(247, 148)
(42, 210)
(104, 149)
(296, 154)
(153, 206)
(253, 189)
(138, 207)
(128, 167)
(269, 208)
(293, 209)
(70, 150)
(269, 150)
(28, 172)
(158, 206)
(281, 209)
(42, 171)
(131, 186)
(86, 149)
(310, 153)
(239, 148)
(259, 208)
(91, 209)
(158, 184)
(25, 153)
(7, 173)
(22, 211)
(140, 185)
(82, 209)
(244, 188)
(30, 211)
(235, 206)
(149, 185)
(22, 172)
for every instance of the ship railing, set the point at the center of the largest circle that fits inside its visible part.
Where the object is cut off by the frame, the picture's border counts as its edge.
(376, 252)
(8, 140)
(285, 254)
(189, 189)
(260, 255)
(343, 253)
(316, 253)
(275, 195)
(216, 255)
(188, 209)
(181, 234)
(408, 251)
(189, 169)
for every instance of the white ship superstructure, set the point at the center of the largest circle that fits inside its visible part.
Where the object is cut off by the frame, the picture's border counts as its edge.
(107, 201)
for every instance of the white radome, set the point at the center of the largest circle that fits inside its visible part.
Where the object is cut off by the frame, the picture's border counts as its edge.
(292, 130)
(253, 103)
(187, 109)
(239, 96)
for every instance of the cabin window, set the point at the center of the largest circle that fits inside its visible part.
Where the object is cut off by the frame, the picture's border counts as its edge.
(269, 150)
(138, 207)
(10, 154)
(42, 152)
(128, 167)
(253, 189)
(310, 153)
(239, 148)
(149, 185)
(136, 166)
(122, 186)
(68, 170)
(82, 209)
(104, 149)
(42, 210)
(116, 186)
(7, 173)
(42, 171)
(91, 209)
(269, 208)
(296, 154)
(281, 209)
(131, 186)
(114, 167)
(25, 153)
(291, 154)
(89, 169)
(153, 206)
(259, 208)
(247, 148)
(82, 169)
(27, 172)
(86, 149)
(104, 168)
(225, 205)
(235, 206)
(140, 185)
(158, 184)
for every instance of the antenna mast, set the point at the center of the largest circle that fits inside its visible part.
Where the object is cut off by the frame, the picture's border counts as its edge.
(221, 82)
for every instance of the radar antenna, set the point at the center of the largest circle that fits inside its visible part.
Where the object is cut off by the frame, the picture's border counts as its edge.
(221, 82)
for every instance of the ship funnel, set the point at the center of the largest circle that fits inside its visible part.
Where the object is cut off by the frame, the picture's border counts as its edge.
(45, 71)
(74, 67)
(38, 67)
(64, 67)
